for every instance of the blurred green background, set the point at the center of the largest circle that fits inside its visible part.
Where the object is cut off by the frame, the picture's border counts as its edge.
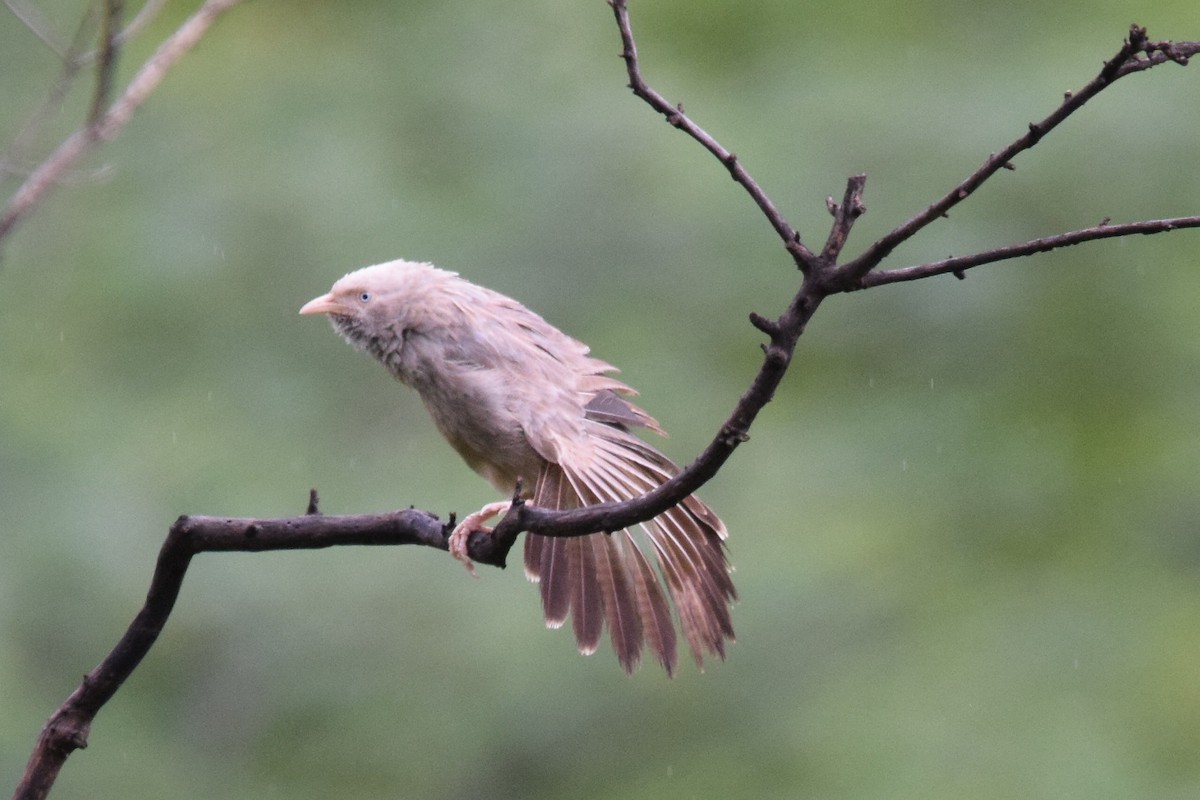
(967, 531)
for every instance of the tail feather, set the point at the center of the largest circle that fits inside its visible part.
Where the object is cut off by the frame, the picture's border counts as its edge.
(690, 530)
(534, 547)
(556, 581)
(620, 601)
(652, 605)
(587, 609)
(548, 560)
(607, 578)
(652, 620)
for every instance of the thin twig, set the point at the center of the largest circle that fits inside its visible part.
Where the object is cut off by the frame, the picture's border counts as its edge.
(1125, 62)
(109, 124)
(677, 118)
(106, 64)
(143, 18)
(844, 215)
(957, 265)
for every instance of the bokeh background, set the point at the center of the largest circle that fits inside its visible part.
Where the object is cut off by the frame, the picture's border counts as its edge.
(967, 530)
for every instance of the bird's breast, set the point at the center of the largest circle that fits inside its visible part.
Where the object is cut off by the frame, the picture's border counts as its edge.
(471, 405)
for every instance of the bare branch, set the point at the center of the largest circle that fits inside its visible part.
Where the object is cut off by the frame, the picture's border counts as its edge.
(844, 216)
(1155, 53)
(956, 265)
(822, 278)
(67, 730)
(110, 123)
(674, 114)
(1125, 62)
(144, 17)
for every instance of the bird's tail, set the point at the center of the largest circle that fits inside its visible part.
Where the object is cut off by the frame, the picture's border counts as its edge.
(608, 578)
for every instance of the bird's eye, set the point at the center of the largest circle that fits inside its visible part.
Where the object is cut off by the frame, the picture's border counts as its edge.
(365, 297)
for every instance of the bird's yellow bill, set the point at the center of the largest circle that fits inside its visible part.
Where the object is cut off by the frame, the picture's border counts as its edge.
(325, 304)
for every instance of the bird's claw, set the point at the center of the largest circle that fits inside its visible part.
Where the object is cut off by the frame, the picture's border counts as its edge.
(472, 523)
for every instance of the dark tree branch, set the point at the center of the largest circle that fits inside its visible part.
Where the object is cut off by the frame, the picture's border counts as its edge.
(675, 116)
(67, 730)
(844, 216)
(823, 277)
(1125, 62)
(956, 265)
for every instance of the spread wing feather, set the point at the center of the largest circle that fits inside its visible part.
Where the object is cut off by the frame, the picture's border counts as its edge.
(579, 424)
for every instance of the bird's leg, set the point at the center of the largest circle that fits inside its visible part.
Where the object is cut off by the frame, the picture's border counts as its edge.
(470, 524)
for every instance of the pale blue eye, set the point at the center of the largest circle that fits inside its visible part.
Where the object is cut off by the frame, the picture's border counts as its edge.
(365, 297)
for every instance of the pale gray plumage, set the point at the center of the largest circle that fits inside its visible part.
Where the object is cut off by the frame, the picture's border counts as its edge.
(520, 400)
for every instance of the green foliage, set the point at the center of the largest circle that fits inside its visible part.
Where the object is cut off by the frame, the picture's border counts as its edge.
(965, 530)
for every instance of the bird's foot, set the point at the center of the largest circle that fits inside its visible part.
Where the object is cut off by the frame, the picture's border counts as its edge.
(473, 523)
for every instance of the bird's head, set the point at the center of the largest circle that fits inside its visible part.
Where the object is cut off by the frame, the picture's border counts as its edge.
(375, 303)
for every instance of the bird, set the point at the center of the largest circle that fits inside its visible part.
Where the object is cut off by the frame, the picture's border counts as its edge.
(525, 405)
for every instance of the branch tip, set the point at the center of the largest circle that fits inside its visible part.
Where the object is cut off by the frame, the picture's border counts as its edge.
(1137, 38)
(767, 326)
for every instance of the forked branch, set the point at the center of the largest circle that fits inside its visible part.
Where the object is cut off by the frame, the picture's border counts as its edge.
(1136, 54)
(824, 277)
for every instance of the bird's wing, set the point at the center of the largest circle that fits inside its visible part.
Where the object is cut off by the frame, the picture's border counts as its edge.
(575, 415)
(606, 405)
